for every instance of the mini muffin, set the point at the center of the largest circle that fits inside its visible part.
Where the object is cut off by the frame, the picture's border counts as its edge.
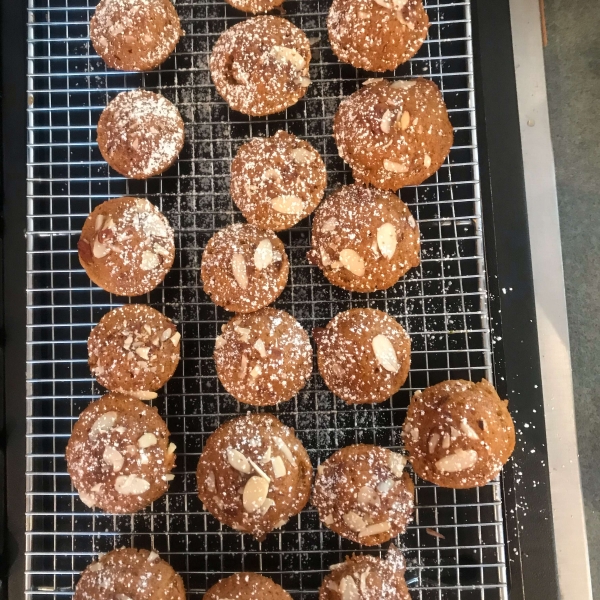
(134, 350)
(367, 577)
(263, 358)
(130, 573)
(277, 181)
(134, 35)
(458, 434)
(126, 246)
(255, 6)
(393, 134)
(364, 239)
(363, 355)
(140, 134)
(260, 66)
(119, 457)
(363, 493)
(246, 586)
(254, 474)
(244, 268)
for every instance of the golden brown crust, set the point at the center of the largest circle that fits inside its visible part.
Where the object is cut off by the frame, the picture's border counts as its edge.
(363, 494)
(458, 433)
(263, 358)
(260, 66)
(274, 449)
(246, 586)
(376, 35)
(135, 35)
(244, 268)
(347, 360)
(393, 134)
(375, 225)
(133, 348)
(140, 134)
(119, 456)
(277, 181)
(129, 573)
(126, 246)
(372, 577)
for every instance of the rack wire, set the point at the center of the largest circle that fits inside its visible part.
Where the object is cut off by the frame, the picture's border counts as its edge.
(442, 304)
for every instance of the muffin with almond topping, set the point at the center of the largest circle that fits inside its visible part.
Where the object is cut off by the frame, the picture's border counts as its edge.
(119, 456)
(246, 586)
(458, 434)
(129, 573)
(376, 35)
(260, 66)
(254, 474)
(135, 35)
(126, 246)
(264, 357)
(134, 350)
(364, 239)
(277, 181)
(393, 134)
(363, 493)
(363, 355)
(244, 268)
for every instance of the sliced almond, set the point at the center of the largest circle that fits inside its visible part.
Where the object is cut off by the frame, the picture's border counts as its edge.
(149, 261)
(143, 352)
(98, 223)
(387, 240)
(394, 167)
(166, 334)
(104, 422)
(433, 442)
(396, 463)
(88, 499)
(289, 55)
(139, 394)
(302, 156)
(285, 450)
(238, 267)
(385, 486)
(352, 261)
(427, 161)
(385, 353)
(374, 529)
(354, 521)
(446, 441)
(402, 84)
(468, 431)
(148, 329)
(175, 338)
(325, 259)
(411, 221)
(348, 588)
(329, 225)
(111, 456)
(386, 121)
(404, 120)
(385, 3)
(454, 433)
(96, 566)
(219, 342)
(147, 440)
(328, 520)
(127, 343)
(303, 81)
(243, 333)
(459, 461)
(272, 175)
(263, 255)
(152, 556)
(169, 477)
(278, 465)
(255, 372)
(259, 471)
(131, 485)
(255, 493)
(100, 250)
(259, 346)
(171, 449)
(156, 341)
(266, 505)
(160, 250)
(122, 597)
(332, 585)
(266, 456)
(414, 434)
(368, 496)
(210, 482)
(287, 205)
(364, 589)
(238, 461)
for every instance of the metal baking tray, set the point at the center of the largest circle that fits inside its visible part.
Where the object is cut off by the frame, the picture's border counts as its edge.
(448, 306)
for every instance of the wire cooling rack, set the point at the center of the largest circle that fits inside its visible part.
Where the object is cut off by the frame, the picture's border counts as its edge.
(442, 305)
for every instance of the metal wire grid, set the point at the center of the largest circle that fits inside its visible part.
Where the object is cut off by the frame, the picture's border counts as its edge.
(442, 305)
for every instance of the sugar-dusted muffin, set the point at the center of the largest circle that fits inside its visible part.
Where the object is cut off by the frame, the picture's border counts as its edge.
(134, 349)
(254, 474)
(134, 35)
(376, 35)
(260, 66)
(363, 355)
(140, 134)
(119, 456)
(246, 586)
(364, 239)
(126, 246)
(129, 573)
(244, 268)
(366, 577)
(458, 434)
(255, 6)
(393, 134)
(263, 358)
(363, 493)
(277, 181)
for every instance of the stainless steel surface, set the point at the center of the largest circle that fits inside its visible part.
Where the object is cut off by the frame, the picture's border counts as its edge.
(544, 231)
(443, 305)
